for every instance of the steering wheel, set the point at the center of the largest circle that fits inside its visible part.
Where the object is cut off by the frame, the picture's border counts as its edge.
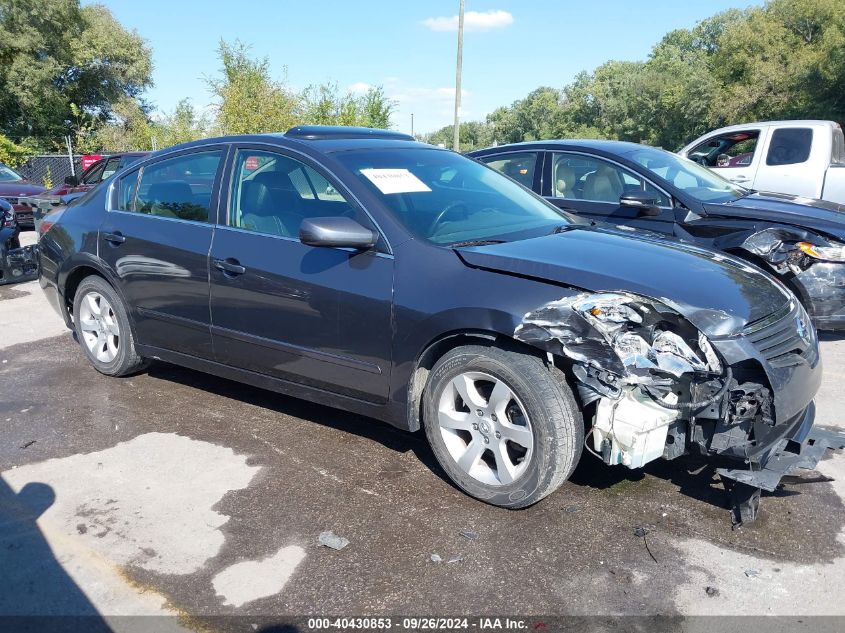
(457, 204)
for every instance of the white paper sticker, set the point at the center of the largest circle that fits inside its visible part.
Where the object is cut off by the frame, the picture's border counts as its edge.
(395, 180)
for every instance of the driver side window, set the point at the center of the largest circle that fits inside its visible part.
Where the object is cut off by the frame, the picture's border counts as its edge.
(735, 149)
(580, 177)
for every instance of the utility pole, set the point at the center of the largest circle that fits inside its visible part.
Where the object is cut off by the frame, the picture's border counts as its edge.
(456, 144)
(412, 123)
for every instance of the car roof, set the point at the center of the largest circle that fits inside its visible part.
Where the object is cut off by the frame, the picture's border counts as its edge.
(325, 139)
(613, 147)
(792, 123)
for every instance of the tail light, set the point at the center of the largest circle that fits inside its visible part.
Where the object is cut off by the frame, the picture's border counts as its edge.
(49, 220)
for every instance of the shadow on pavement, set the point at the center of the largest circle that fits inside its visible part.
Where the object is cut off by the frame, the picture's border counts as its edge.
(693, 477)
(36, 593)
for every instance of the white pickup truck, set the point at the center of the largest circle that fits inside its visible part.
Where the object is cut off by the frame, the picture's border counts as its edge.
(802, 158)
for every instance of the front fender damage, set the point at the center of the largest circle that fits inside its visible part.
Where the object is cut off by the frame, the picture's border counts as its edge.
(653, 386)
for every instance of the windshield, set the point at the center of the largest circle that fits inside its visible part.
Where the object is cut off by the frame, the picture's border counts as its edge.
(446, 198)
(8, 174)
(691, 178)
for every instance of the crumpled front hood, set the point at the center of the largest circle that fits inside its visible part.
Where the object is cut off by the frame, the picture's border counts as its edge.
(717, 293)
(810, 213)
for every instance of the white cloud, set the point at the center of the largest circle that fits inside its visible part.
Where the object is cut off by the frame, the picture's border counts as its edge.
(473, 21)
(359, 87)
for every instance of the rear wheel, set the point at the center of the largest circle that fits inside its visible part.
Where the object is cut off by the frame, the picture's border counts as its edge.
(102, 328)
(503, 425)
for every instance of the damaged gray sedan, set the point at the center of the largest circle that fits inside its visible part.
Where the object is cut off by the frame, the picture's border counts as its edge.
(366, 271)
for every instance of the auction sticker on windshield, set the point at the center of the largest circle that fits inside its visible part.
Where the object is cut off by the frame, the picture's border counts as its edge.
(395, 180)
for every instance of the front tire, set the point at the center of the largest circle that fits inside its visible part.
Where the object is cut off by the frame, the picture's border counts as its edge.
(102, 329)
(503, 425)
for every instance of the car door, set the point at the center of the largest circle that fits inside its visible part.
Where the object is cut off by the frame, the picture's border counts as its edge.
(793, 163)
(111, 166)
(591, 187)
(90, 177)
(311, 315)
(156, 238)
(734, 155)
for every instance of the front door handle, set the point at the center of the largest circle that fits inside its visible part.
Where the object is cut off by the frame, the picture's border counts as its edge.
(740, 179)
(230, 266)
(114, 238)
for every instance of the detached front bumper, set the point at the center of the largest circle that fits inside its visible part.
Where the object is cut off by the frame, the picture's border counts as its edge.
(802, 447)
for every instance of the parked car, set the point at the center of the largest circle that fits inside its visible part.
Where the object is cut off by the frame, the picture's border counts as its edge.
(96, 173)
(799, 240)
(362, 270)
(802, 158)
(13, 187)
(16, 264)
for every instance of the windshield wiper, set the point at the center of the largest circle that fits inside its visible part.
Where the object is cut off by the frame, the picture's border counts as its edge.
(562, 228)
(475, 243)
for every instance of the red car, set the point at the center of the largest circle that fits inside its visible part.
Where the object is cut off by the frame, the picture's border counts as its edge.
(96, 173)
(90, 178)
(12, 188)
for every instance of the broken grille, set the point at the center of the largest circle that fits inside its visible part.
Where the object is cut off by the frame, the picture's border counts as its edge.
(784, 338)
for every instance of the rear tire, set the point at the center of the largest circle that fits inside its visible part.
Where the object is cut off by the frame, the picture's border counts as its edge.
(503, 425)
(102, 329)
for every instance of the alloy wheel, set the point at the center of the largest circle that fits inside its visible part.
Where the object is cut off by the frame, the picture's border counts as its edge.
(100, 330)
(485, 428)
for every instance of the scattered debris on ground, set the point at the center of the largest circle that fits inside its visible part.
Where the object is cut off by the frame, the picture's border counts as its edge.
(641, 532)
(711, 591)
(332, 540)
(468, 535)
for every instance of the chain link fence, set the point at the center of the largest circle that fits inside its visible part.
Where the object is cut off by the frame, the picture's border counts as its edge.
(49, 169)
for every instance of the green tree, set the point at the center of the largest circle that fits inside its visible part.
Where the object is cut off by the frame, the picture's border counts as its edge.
(129, 128)
(326, 105)
(11, 153)
(182, 125)
(474, 135)
(249, 100)
(55, 54)
(376, 108)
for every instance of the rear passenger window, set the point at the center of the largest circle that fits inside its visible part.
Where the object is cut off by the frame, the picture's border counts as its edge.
(789, 146)
(272, 194)
(179, 187)
(520, 167)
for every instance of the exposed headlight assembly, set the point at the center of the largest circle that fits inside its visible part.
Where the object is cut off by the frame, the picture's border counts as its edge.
(647, 335)
(835, 252)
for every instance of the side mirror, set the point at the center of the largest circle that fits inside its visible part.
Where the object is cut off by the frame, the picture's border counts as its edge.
(338, 232)
(71, 181)
(644, 203)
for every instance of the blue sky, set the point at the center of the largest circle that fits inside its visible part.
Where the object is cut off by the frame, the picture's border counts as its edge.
(407, 46)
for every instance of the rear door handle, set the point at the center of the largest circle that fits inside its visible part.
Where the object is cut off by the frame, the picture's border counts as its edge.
(115, 238)
(230, 266)
(740, 179)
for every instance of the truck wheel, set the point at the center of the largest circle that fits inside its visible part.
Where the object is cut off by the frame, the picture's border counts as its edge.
(102, 328)
(503, 425)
